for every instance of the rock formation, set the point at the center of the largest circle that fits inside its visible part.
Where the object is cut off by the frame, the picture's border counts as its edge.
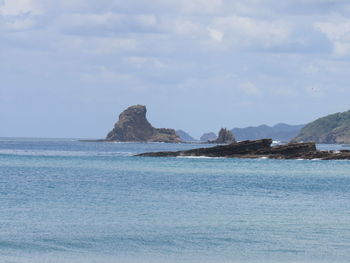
(133, 126)
(259, 149)
(225, 136)
(209, 136)
(333, 128)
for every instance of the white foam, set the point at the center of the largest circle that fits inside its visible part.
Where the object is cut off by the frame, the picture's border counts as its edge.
(198, 157)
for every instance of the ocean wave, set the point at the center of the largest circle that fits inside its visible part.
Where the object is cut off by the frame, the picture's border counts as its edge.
(199, 157)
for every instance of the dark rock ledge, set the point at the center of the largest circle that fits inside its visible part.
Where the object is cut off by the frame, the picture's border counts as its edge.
(259, 149)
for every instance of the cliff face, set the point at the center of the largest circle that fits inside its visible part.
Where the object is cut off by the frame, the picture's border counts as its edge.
(133, 126)
(333, 128)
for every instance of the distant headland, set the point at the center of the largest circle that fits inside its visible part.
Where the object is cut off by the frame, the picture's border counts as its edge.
(133, 126)
(334, 129)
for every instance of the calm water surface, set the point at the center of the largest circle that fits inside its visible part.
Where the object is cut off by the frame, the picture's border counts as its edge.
(68, 201)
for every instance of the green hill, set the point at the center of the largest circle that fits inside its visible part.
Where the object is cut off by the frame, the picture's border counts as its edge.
(333, 128)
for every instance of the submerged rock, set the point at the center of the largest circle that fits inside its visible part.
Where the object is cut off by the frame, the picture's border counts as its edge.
(133, 126)
(259, 149)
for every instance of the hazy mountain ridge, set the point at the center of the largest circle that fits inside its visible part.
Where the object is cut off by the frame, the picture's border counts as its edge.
(185, 137)
(208, 136)
(278, 132)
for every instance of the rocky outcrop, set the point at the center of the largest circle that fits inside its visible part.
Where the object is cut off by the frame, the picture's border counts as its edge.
(333, 128)
(133, 126)
(209, 136)
(225, 136)
(259, 149)
(230, 150)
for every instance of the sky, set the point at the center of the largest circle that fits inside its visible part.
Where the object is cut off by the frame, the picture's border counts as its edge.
(69, 67)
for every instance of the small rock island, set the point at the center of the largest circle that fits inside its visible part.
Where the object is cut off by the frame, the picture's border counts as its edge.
(225, 137)
(259, 149)
(133, 126)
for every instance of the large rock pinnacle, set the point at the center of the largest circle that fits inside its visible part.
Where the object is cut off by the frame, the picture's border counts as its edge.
(133, 126)
(225, 136)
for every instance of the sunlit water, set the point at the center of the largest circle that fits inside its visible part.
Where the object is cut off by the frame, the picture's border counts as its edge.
(69, 201)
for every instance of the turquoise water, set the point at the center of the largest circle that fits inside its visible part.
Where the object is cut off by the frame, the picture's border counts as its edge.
(68, 201)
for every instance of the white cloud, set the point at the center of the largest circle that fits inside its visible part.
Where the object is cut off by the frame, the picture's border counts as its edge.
(215, 35)
(339, 35)
(19, 24)
(201, 6)
(144, 6)
(314, 91)
(250, 89)
(322, 67)
(99, 24)
(118, 81)
(97, 45)
(20, 7)
(22, 15)
(311, 69)
(246, 31)
(105, 75)
(145, 62)
(183, 26)
(341, 48)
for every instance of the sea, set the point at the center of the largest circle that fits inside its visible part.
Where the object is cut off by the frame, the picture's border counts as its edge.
(67, 201)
